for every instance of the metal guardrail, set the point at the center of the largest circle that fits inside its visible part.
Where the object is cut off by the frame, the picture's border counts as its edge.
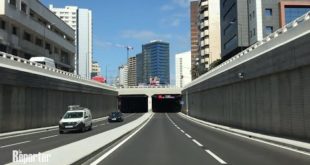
(52, 69)
(222, 67)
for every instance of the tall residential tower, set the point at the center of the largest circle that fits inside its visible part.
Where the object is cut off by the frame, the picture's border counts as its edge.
(81, 21)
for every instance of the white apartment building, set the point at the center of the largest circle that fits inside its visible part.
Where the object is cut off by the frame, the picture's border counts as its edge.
(28, 29)
(81, 21)
(123, 76)
(210, 33)
(183, 69)
(96, 69)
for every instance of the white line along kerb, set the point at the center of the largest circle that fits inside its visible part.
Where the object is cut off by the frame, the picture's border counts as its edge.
(119, 144)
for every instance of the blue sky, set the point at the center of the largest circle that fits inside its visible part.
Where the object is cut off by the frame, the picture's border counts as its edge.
(134, 22)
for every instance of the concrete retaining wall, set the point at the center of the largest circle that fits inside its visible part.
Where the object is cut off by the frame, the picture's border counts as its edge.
(31, 101)
(273, 98)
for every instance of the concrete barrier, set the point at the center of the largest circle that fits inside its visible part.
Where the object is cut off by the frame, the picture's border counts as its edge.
(30, 100)
(273, 94)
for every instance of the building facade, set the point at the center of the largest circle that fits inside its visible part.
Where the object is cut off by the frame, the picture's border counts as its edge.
(81, 21)
(194, 15)
(245, 22)
(156, 62)
(96, 69)
(265, 17)
(210, 34)
(132, 73)
(183, 69)
(123, 76)
(139, 69)
(234, 27)
(28, 29)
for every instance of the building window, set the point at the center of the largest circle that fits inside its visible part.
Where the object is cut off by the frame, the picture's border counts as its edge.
(39, 42)
(14, 30)
(56, 50)
(268, 12)
(254, 32)
(292, 13)
(27, 36)
(12, 2)
(2, 24)
(23, 7)
(231, 43)
(269, 29)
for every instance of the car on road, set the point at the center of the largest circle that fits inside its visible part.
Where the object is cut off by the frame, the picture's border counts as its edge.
(76, 119)
(116, 117)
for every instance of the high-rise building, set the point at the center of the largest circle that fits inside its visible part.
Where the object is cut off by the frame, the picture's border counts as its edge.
(194, 15)
(28, 29)
(210, 34)
(234, 27)
(132, 75)
(245, 22)
(267, 16)
(81, 21)
(183, 69)
(96, 69)
(123, 76)
(139, 68)
(156, 62)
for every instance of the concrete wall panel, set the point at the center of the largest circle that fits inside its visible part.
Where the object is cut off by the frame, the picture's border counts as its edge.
(272, 98)
(32, 101)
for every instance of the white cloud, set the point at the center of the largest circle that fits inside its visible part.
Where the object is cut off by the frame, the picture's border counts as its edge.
(166, 7)
(144, 35)
(182, 3)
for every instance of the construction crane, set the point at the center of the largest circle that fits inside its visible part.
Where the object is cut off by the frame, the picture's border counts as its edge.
(128, 48)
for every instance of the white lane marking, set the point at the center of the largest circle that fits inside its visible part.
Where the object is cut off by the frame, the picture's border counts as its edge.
(216, 157)
(7, 137)
(102, 124)
(14, 144)
(195, 141)
(119, 144)
(129, 115)
(95, 126)
(182, 131)
(47, 137)
(188, 135)
(243, 136)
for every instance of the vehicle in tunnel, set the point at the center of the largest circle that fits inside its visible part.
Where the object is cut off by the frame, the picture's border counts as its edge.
(133, 103)
(76, 119)
(116, 117)
(166, 103)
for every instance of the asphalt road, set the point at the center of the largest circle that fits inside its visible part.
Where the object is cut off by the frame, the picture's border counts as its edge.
(169, 139)
(47, 140)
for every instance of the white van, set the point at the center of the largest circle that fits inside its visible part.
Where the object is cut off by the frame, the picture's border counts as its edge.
(76, 119)
(43, 60)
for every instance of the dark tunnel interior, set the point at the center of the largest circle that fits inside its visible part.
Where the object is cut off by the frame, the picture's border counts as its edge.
(133, 104)
(166, 103)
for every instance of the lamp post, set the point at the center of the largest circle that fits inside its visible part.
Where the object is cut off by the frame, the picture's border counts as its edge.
(238, 24)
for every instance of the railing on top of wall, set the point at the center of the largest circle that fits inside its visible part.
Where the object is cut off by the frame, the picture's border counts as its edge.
(52, 69)
(273, 35)
(150, 86)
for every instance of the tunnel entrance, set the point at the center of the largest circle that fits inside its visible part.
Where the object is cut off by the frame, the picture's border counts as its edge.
(133, 103)
(166, 103)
